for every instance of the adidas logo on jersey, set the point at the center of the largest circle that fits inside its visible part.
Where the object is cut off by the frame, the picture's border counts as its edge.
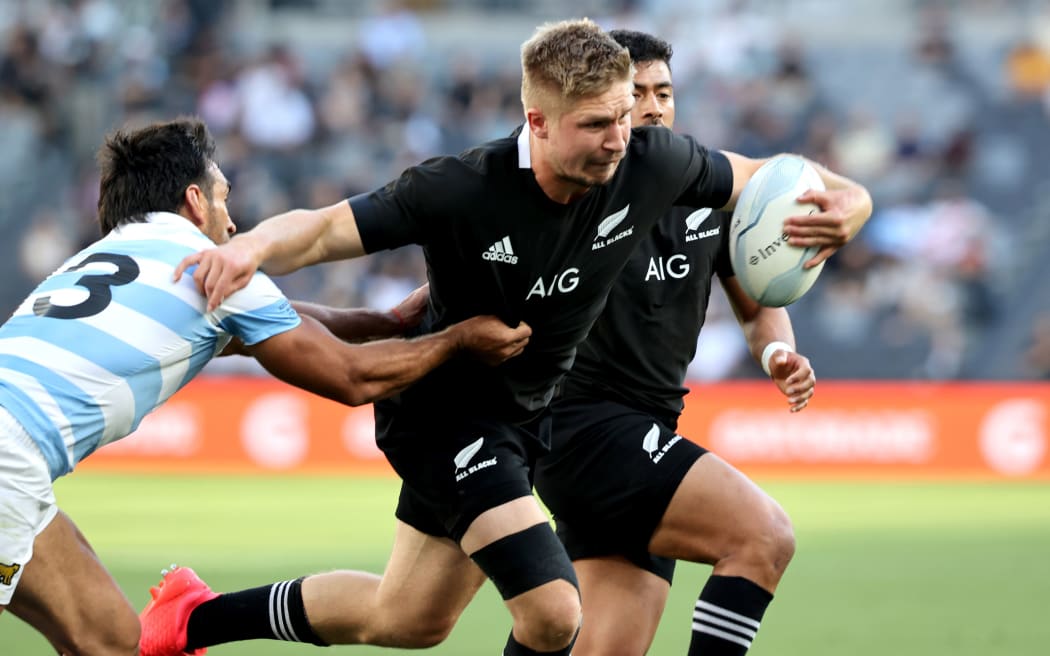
(501, 251)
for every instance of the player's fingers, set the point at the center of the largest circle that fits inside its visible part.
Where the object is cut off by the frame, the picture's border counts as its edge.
(821, 255)
(813, 196)
(214, 288)
(187, 262)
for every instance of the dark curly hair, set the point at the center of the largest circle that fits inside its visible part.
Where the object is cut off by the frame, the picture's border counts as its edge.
(148, 170)
(643, 47)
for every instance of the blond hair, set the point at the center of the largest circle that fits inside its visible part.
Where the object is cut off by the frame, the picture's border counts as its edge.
(568, 60)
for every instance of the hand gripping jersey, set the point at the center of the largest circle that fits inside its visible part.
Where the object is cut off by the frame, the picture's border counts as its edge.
(495, 243)
(109, 337)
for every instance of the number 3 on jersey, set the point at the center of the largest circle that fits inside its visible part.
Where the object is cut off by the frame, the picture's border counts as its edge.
(98, 285)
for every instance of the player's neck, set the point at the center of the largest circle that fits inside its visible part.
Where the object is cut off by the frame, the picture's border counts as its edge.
(556, 187)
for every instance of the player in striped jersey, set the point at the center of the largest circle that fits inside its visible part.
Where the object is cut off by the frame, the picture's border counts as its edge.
(111, 335)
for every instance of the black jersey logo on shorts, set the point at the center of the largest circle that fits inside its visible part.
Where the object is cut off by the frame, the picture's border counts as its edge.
(651, 444)
(463, 458)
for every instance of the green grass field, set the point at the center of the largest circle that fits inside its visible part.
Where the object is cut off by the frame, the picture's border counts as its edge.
(881, 568)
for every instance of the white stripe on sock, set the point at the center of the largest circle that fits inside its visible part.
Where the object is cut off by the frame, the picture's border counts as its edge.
(701, 628)
(286, 615)
(744, 619)
(280, 622)
(274, 590)
(725, 624)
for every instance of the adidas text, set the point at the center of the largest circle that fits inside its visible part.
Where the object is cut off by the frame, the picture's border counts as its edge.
(500, 257)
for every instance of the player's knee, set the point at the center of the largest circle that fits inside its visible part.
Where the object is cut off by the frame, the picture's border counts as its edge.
(547, 619)
(771, 545)
(535, 577)
(781, 539)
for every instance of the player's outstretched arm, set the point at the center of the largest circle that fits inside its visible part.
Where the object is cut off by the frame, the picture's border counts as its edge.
(281, 244)
(771, 340)
(312, 358)
(363, 324)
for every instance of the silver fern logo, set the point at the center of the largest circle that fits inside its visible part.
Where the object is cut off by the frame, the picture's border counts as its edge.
(694, 220)
(464, 457)
(606, 227)
(651, 444)
(651, 441)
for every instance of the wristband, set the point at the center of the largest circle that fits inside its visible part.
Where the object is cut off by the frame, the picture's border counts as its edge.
(400, 319)
(770, 349)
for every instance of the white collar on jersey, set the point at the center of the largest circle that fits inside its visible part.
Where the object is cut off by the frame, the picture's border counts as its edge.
(524, 153)
(169, 218)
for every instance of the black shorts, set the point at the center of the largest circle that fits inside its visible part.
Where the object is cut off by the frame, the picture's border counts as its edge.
(454, 469)
(609, 478)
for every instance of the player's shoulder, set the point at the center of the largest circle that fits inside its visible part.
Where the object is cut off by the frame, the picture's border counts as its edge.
(655, 137)
(490, 157)
(469, 170)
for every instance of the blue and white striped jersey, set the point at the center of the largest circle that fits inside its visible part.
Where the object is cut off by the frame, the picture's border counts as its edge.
(109, 337)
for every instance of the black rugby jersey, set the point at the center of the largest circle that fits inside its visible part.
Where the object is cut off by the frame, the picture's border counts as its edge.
(495, 243)
(639, 349)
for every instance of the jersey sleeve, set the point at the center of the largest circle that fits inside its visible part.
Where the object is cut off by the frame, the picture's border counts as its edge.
(405, 210)
(257, 312)
(708, 177)
(723, 264)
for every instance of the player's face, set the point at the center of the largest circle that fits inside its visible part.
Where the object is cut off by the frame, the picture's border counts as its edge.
(653, 94)
(588, 141)
(218, 225)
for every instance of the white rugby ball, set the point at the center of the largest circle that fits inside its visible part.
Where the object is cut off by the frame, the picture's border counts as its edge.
(768, 268)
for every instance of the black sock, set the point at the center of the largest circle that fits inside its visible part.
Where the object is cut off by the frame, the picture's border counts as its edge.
(273, 612)
(727, 616)
(514, 648)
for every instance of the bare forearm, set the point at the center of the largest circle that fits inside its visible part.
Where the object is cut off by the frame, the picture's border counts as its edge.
(386, 367)
(767, 325)
(353, 324)
(298, 238)
(312, 358)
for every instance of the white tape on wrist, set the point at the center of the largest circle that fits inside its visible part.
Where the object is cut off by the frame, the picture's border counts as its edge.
(772, 348)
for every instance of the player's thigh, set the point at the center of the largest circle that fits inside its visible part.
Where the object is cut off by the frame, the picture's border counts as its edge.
(622, 605)
(428, 572)
(716, 511)
(69, 596)
(427, 583)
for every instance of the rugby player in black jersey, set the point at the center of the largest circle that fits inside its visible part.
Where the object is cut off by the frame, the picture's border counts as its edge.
(534, 228)
(628, 494)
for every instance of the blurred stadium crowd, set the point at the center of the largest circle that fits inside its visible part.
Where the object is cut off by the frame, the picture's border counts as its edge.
(941, 109)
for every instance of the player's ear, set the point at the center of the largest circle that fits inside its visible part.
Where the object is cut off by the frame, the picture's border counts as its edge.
(195, 204)
(537, 122)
